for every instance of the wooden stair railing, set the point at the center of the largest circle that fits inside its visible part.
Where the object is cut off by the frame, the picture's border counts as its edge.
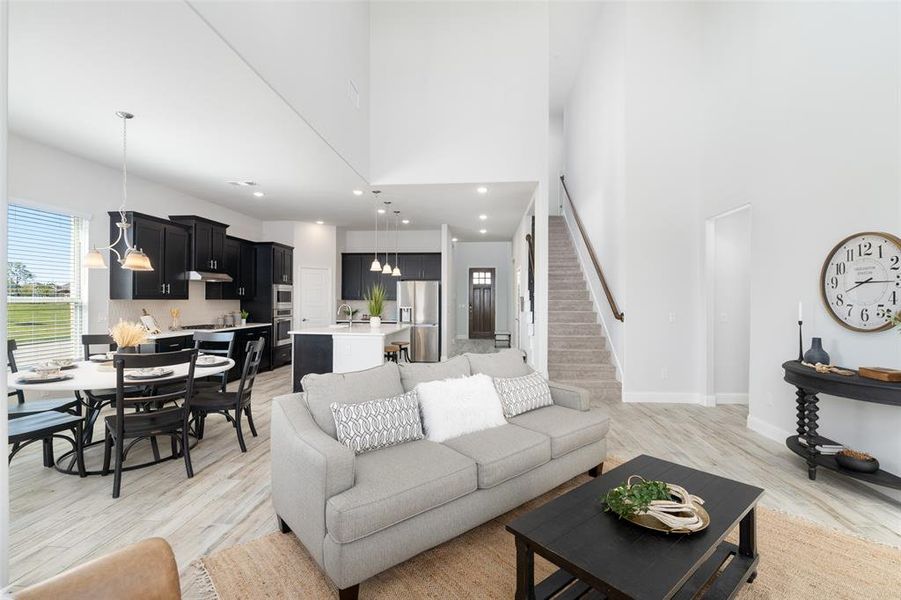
(617, 313)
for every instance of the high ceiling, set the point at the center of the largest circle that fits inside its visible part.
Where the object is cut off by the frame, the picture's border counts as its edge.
(571, 24)
(203, 117)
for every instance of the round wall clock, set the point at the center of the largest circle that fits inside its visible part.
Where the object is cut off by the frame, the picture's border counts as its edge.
(861, 280)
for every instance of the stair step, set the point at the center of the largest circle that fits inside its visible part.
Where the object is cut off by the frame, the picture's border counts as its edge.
(570, 284)
(563, 358)
(581, 305)
(574, 329)
(579, 372)
(558, 294)
(594, 385)
(572, 316)
(573, 342)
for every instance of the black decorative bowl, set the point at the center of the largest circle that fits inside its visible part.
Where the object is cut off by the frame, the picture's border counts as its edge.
(856, 464)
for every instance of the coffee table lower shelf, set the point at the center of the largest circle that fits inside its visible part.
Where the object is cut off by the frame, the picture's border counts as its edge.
(708, 581)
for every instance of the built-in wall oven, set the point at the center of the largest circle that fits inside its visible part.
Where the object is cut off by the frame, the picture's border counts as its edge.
(282, 297)
(281, 325)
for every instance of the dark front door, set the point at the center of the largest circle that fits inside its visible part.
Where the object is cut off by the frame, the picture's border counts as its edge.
(481, 303)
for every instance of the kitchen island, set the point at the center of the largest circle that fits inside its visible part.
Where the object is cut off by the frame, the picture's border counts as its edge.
(341, 348)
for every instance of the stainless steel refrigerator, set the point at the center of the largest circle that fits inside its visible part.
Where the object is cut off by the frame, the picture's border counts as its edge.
(419, 304)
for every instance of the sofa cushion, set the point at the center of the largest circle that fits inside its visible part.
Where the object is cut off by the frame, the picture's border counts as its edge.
(503, 452)
(506, 363)
(412, 374)
(348, 388)
(521, 394)
(395, 484)
(367, 426)
(568, 429)
(453, 407)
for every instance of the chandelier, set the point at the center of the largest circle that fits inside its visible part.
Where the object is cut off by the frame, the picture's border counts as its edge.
(132, 258)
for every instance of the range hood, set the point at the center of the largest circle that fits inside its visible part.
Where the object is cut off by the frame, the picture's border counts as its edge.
(207, 276)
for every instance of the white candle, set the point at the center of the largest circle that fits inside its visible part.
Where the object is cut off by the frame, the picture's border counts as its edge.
(800, 313)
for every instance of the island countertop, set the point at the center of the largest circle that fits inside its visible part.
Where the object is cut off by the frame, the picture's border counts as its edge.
(187, 332)
(357, 330)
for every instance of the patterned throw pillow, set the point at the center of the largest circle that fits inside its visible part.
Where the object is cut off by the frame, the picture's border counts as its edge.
(378, 423)
(522, 394)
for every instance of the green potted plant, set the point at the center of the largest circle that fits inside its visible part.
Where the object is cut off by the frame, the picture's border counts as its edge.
(244, 316)
(375, 297)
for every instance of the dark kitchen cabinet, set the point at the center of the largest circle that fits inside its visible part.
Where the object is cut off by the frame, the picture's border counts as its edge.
(282, 264)
(357, 279)
(239, 354)
(166, 245)
(207, 243)
(239, 260)
(174, 344)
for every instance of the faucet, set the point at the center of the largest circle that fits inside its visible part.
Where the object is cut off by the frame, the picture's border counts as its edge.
(350, 314)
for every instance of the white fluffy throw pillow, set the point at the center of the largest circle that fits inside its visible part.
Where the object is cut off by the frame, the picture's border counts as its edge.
(453, 407)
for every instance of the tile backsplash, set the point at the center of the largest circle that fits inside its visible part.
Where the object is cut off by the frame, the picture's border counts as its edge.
(194, 311)
(389, 311)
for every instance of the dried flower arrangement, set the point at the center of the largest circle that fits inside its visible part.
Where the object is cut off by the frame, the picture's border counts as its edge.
(127, 334)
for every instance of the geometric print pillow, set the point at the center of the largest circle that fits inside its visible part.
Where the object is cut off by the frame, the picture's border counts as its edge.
(522, 394)
(378, 423)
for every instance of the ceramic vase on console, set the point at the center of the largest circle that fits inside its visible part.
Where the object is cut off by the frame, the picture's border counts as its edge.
(375, 321)
(816, 354)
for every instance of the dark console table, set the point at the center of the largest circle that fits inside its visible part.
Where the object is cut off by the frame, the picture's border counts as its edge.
(809, 383)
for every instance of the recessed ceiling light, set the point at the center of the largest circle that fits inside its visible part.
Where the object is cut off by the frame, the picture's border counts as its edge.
(381, 211)
(258, 194)
(483, 231)
(454, 240)
(243, 183)
(405, 221)
(358, 192)
(483, 217)
(320, 222)
(482, 189)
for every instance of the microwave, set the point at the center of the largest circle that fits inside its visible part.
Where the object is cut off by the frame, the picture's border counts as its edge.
(282, 296)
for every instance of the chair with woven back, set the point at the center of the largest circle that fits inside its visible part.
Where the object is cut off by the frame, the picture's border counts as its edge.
(25, 408)
(219, 343)
(156, 417)
(224, 403)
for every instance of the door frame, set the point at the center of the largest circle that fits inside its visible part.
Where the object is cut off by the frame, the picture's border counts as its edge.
(299, 291)
(493, 271)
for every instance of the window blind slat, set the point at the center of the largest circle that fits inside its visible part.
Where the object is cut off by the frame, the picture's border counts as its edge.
(45, 305)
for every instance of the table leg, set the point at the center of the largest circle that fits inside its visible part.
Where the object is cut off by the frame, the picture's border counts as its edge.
(801, 412)
(747, 538)
(811, 418)
(525, 572)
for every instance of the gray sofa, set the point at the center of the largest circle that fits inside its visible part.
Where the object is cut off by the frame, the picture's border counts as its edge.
(360, 515)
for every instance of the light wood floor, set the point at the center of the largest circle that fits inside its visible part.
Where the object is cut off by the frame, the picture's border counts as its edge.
(58, 521)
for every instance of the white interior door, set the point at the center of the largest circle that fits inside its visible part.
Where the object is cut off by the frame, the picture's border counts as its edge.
(315, 296)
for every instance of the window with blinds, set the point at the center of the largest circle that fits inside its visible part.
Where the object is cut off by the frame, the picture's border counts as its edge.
(44, 281)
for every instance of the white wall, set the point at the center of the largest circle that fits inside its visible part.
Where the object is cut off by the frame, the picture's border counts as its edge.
(54, 179)
(309, 52)
(4, 469)
(411, 240)
(314, 246)
(796, 113)
(555, 160)
(732, 306)
(459, 92)
(497, 255)
(448, 291)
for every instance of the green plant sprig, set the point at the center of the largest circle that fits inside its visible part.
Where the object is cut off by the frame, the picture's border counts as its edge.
(626, 500)
(376, 299)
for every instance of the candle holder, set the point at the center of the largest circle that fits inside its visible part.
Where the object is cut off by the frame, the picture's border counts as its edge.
(800, 341)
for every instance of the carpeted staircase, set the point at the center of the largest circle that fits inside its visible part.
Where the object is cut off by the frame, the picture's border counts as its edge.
(577, 348)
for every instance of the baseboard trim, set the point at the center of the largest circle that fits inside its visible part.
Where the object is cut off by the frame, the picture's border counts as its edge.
(462, 337)
(732, 398)
(663, 397)
(767, 430)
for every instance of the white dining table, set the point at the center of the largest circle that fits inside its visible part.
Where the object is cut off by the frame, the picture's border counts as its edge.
(88, 376)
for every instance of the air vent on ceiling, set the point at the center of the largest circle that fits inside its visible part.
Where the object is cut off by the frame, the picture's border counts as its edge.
(243, 183)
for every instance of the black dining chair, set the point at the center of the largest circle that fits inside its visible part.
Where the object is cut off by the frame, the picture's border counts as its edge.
(22, 408)
(218, 343)
(156, 417)
(44, 427)
(207, 402)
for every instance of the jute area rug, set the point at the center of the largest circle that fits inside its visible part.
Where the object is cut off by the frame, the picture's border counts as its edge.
(798, 559)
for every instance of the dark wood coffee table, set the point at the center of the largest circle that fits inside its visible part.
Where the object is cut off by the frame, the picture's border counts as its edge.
(602, 556)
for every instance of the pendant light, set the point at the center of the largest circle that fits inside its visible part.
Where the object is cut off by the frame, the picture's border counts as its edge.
(396, 272)
(386, 269)
(376, 265)
(132, 258)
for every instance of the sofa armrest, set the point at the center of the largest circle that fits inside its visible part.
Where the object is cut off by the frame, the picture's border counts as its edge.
(570, 396)
(308, 468)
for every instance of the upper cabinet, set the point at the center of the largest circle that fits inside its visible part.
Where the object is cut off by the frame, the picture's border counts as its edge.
(207, 243)
(239, 261)
(275, 263)
(357, 279)
(166, 245)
